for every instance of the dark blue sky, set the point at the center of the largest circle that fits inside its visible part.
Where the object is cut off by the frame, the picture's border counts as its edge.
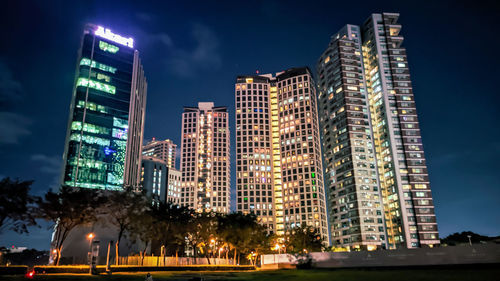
(192, 51)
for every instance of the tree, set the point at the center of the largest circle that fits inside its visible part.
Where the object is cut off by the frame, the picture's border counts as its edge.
(120, 210)
(16, 212)
(304, 239)
(68, 209)
(171, 226)
(463, 238)
(143, 229)
(244, 234)
(201, 231)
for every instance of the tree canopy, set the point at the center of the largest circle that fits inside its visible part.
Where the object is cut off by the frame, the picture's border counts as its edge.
(16, 210)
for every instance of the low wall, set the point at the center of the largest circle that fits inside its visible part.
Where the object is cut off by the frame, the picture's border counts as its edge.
(84, 269)
(476, 254)
(13, 270)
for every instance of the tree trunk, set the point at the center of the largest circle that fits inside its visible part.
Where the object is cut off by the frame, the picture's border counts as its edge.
(208, 257)
(162, 253)
(117, 255)
(234, 257)
(58, 256)
(177, 257)
(239, 259)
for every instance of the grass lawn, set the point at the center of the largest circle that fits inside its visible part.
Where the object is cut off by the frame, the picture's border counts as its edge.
(293, 275)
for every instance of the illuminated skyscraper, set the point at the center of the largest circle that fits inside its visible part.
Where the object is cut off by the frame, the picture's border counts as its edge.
(205, 162)
(278, 154)
(404, 180)
(164, 150)
(356, 213)
(254, 153)
(368, 112)
(106, 121)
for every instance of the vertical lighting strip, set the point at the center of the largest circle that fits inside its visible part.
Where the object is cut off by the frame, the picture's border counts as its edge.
(278, 193)
(386, 177)
(208, 165)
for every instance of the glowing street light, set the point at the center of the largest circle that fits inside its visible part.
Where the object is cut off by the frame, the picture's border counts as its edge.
(90, 237)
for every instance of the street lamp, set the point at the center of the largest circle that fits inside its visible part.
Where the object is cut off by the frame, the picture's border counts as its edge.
(220, 250)
(212, 245)
(90, 237)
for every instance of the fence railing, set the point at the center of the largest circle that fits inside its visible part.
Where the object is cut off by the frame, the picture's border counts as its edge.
(171, 261)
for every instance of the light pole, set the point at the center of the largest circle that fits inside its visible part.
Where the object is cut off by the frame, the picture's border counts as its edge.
(90, 236)
(470, 241)
(212, 245)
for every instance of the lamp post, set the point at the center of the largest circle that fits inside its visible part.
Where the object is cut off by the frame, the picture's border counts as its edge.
(212, 245)
(90, 236)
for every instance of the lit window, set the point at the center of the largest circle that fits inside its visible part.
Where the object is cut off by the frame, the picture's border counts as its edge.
(108, 47)
(84, 82)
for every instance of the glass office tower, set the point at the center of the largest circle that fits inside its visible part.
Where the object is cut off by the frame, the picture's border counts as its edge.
(106, 121)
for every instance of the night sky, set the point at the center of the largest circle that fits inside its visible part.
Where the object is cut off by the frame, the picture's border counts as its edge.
(193, 51)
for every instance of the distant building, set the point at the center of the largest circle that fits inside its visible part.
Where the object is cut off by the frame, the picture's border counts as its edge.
(106, 120)
(161, 183)
(278, 152)
(154, 178)
(164, 150)
(205, 159)
(174, 183)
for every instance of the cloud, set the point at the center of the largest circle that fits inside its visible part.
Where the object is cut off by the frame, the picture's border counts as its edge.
(204, 56)
(48, 164)
(144, 16)
(10, 89)
(13, 126)
(163, 38)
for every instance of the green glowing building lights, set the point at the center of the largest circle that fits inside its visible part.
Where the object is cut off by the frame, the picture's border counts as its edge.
(108, 47)
(98, 65)
(84, 82)
(99, 151)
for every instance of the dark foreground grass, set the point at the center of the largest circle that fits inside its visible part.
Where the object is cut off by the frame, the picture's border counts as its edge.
(482, 274)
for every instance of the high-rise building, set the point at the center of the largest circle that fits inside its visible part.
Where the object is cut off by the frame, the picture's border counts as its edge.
(106, 120)
(379, 193)
(404, 181)
(205, 162)
(164, 150)
(356, 213)
(278, 154)
(254, 151)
